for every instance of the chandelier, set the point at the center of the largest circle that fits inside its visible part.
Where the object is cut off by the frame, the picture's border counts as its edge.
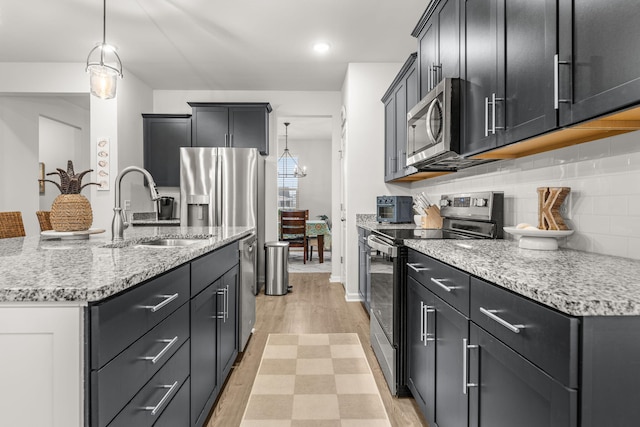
(103, 64)
(286, 157)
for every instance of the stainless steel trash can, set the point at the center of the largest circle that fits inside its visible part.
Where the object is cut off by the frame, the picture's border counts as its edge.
(277, 268)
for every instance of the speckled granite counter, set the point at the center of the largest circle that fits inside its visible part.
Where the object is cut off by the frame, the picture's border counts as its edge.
(34, 269)
(574, 282)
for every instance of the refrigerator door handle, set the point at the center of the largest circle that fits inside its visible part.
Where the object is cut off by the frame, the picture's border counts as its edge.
(218, 208)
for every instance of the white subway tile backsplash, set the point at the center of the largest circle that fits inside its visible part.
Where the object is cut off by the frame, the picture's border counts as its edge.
(604, 177)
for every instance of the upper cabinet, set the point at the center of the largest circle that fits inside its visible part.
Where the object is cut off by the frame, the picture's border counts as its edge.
(598, 61)
(244, 125)
(164, 134)
(438, 34)
(401, 96)
(508, 71)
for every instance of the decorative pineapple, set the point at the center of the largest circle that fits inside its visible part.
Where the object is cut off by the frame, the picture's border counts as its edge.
(70, 211)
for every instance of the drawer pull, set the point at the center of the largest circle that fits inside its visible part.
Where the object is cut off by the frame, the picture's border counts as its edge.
(154, 359)
(418, 269)
(442, 285)
(167, 300)
(490, 314)
(154, 409)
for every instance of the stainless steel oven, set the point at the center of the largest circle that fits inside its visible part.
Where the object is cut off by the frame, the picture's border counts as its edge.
(387, 273)
(465, 216)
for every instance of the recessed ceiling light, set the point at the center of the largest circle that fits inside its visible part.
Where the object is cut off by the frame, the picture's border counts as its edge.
(321, 47)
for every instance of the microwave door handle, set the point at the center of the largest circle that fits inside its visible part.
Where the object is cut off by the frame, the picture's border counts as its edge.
(486, 116)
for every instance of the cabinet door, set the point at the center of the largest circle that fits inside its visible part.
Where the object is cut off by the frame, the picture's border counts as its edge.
(227, 296)
(204, 378)
(448, 39)
(450, 329)
(400, 97)
(480, 69)
(530, 46)
(389, 139)
(248, 128)
(599, 40)
(420, 347)
(210, 127)
(428, 56)
(511, 391)
(163, 137)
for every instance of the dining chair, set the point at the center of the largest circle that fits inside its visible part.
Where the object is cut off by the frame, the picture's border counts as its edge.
(11, 225)
(293, 229)
(43, 219)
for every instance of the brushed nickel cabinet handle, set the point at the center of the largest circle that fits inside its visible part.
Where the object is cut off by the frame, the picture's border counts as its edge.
(491, 315)
(442, 285)
(167, 300)
(154, 359)
(556, 81)
(154, 409)
(465, 370)
(417, 268)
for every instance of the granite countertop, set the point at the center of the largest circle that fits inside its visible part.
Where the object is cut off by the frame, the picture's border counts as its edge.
(34, 269)
(573, 282)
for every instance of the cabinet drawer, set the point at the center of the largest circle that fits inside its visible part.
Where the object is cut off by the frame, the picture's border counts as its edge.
(119, 380)
(150, 402)
(545, 337)
(206, 269)
(119, 321)
(448, 283)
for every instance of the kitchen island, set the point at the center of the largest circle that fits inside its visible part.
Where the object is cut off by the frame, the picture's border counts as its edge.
(52, 294)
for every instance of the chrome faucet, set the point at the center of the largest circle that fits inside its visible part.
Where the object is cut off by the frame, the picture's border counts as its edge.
(119, 222)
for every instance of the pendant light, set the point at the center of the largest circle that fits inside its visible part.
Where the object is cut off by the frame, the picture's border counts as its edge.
(286, 157)
(103, 64)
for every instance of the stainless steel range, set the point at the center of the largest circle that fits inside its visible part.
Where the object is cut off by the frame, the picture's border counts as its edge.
(465, 216)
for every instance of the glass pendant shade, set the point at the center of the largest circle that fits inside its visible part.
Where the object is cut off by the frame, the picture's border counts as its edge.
(286, 157)
(104, 65)
(103, 79)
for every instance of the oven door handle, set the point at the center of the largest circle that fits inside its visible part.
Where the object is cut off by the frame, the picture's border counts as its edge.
(382, 246)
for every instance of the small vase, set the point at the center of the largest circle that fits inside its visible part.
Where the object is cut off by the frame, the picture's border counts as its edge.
(71, 212)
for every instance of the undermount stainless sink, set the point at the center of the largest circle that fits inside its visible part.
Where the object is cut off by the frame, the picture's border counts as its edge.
(171, 243)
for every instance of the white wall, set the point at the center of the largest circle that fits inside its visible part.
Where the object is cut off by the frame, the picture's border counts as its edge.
(604, 203)
(284, 104)
(364, 154)
(19, 151)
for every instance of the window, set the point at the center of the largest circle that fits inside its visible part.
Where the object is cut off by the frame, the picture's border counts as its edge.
(287, 184)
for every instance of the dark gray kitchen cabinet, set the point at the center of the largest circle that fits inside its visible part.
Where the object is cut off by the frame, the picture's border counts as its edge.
(438, 34)
(436, 333)
(242, 125)
(420, 348)
(598, 60)
(398, 99)
(507, 390)
(508, 69)
(364, 262)
(214, 327)
(163, 135)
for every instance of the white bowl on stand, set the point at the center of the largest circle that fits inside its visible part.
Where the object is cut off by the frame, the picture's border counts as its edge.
(541, 240)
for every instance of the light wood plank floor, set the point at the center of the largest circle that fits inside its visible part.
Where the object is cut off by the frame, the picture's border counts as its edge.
(314, 306)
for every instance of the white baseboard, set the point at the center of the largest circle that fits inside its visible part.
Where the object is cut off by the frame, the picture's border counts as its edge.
(335, 279)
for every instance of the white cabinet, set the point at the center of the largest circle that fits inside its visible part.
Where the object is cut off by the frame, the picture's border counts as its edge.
(41, 359)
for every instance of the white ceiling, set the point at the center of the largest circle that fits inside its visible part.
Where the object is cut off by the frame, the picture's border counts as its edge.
(216, 44)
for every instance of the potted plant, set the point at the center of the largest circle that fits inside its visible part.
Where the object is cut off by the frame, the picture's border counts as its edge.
(70, 211)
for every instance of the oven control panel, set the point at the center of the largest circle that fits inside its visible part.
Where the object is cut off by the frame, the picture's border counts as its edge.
(485, 205)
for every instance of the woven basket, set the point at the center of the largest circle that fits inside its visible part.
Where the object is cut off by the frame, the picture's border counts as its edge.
(71, 212)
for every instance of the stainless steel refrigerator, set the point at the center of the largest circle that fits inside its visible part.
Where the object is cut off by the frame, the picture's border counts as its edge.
(220, 187)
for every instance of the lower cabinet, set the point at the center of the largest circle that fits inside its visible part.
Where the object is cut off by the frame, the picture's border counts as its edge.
(495, 360)
(214, 342)
(506, 390)
(436, 333)
(158, 354)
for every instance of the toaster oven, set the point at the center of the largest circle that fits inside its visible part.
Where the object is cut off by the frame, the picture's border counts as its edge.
(394, 209)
